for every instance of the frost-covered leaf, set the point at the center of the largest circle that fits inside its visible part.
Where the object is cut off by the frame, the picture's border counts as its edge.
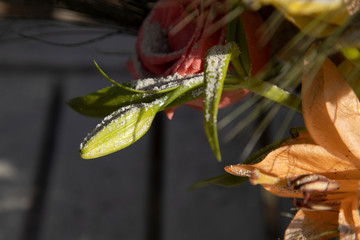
(128, 124)
(148, 85)
(120, 129)
(188, 89)
(107, 100)
(216, 65)
(223, 180)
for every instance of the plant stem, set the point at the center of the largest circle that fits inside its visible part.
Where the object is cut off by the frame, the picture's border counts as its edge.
(268, 90)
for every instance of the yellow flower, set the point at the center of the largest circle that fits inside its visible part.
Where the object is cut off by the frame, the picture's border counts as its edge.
(329, 13)
(319, 169)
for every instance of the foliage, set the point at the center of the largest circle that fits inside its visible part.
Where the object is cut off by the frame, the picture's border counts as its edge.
(185, 59)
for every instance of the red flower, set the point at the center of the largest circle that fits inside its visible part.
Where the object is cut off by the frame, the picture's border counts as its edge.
(175, 38)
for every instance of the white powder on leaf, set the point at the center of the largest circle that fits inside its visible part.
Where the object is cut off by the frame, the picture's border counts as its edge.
(163, 83)
(214, 62)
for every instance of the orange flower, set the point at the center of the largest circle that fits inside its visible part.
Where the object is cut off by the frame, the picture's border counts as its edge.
(320, 169)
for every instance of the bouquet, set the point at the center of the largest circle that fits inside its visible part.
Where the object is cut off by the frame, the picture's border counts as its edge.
(212, 54)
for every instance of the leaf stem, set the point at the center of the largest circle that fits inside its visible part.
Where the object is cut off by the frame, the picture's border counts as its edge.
(269, 90)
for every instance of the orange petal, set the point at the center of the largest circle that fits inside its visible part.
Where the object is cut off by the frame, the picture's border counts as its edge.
(246, 170)
(349, 219)
(332, 112)
(347, 187)
(259, 53)
(274, 185)
(298, 156)
(291, 161)
(313, 225)
(298, 159)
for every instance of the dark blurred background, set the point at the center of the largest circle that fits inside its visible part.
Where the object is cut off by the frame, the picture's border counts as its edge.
(140, 193)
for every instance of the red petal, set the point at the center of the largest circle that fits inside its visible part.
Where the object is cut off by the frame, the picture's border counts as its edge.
(259, 50)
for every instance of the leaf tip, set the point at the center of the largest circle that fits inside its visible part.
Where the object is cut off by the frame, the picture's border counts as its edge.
(218, 156)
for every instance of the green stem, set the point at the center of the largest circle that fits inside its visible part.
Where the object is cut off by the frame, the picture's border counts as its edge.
(173, 95)
(239, 67)
(269, 91)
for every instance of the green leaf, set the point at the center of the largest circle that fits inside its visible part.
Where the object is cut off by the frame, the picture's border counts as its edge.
(216, 65)
(119, 130)
(191, 94)
(188, 84)
(223, 180)
(128, 124)
(268, 90)
(103, 102)
(236, 33)
(131, 112)
(147, 85)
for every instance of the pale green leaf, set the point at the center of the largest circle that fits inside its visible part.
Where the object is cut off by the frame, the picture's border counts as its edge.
(216, 65)
(270, 91)
(128, 124)
(103, 102)
(147, 85)
(119, 130)
(107, 100)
